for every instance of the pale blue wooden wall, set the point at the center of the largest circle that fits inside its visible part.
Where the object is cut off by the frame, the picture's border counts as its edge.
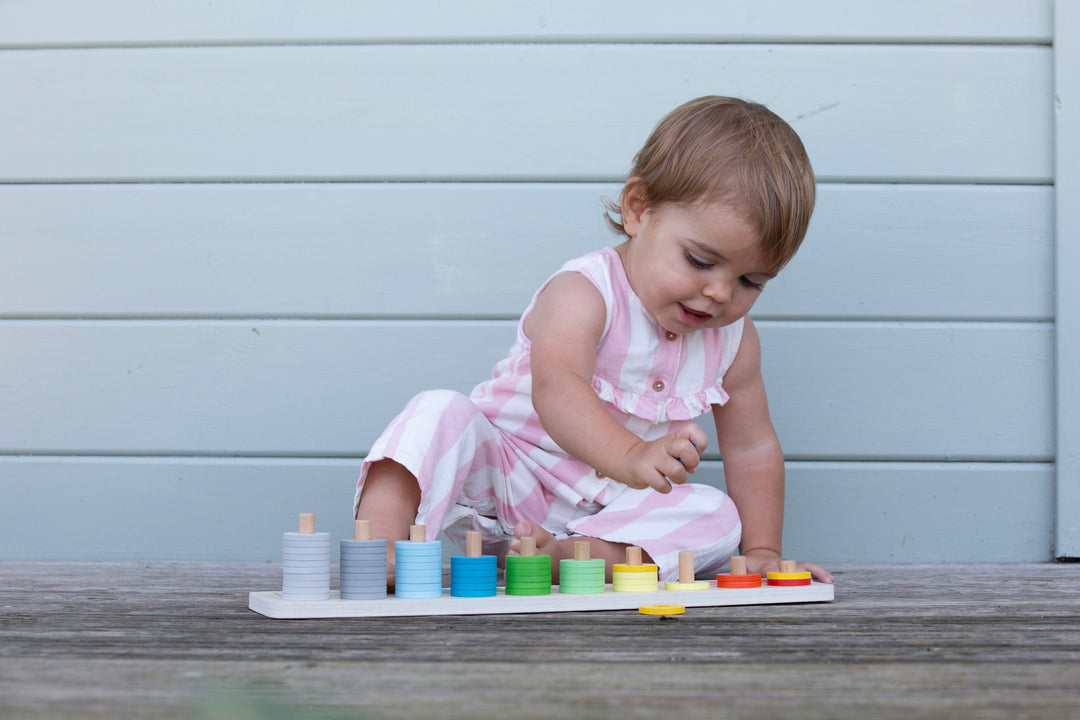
(238, 236)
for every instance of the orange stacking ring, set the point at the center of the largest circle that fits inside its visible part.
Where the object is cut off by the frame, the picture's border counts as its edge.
(738, 577)
(727, 580)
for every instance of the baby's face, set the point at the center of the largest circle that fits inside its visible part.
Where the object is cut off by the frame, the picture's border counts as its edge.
(694, 266)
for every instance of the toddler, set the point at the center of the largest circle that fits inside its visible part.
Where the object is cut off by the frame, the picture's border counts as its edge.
(585, 430)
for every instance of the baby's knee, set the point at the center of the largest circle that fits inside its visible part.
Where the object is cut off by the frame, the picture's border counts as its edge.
(717, 529)
(448, 404)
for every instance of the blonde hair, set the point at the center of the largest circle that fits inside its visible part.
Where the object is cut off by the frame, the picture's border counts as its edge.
(722, 149)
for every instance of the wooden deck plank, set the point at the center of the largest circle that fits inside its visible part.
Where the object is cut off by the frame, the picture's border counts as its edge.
(61, 689)
(881, 613)
(172, 640)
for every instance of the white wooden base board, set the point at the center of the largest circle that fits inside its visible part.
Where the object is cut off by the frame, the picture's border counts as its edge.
(271, 604)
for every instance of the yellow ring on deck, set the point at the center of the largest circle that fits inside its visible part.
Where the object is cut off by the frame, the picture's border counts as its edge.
(662, 609)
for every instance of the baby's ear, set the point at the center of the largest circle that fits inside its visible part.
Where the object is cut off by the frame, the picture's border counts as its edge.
(633, 206)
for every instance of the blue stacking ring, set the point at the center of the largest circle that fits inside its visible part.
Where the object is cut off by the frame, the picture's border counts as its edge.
(418, 569)
(473, 576)
(418, 595)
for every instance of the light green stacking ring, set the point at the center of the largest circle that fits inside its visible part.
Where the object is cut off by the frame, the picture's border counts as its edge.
(581, 577)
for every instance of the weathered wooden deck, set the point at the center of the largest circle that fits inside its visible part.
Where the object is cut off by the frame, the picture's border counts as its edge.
(176, 640)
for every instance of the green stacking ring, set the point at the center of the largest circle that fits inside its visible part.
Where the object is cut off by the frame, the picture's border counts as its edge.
(528, 575)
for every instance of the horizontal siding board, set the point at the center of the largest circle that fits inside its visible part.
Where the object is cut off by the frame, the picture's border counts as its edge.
(516, 112)
(911, 391)
(981, 391)
(220, 509)
(921, 252)
(166, 508)
(71, 22)
(480, 250)
(905, 513)
(262, 387)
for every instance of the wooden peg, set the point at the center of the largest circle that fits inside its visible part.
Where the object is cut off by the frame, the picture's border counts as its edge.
(788, 566)
(633, 555)
(686, 579)
(362, 530)
(417, 533)
(582, 550)
(738, 565)
(686, 566)
(474, 544)
(528, 546)
(307, 523)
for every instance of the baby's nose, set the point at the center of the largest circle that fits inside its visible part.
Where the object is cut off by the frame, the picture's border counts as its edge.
(718, 290)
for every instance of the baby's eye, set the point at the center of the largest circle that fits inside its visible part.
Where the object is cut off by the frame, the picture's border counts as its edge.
(697, 262)
(748, 283)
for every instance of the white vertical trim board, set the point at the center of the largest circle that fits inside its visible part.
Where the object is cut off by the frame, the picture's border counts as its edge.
(1067, 188)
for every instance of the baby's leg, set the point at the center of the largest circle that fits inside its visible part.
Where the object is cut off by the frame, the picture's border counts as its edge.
(691, 517)
(389, 501)
(546, 544)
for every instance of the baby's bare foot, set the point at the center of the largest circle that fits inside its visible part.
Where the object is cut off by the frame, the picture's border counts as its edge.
(546, 544)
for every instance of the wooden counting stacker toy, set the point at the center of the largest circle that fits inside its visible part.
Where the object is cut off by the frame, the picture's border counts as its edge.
(528, 591)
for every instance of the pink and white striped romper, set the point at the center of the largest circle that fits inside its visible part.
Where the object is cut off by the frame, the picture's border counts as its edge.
(484, 462)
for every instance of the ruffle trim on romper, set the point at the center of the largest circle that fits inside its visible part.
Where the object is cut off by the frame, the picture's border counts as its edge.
(659, 410)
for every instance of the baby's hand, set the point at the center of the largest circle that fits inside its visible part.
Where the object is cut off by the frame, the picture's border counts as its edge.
(663, 461)
(766, 561)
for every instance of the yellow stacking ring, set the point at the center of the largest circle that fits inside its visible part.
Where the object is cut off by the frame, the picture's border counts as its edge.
(635, 578)
(696, 585)
(649, 584)
(788, 576)
(623, 568)
(662, 609)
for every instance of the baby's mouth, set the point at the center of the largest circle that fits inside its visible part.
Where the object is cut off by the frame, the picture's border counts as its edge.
(695, 316)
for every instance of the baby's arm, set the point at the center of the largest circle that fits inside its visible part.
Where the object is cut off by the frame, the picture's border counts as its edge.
(753, 459)
(565, 326)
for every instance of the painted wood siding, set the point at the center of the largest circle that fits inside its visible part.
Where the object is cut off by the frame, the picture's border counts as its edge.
(238, 237)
